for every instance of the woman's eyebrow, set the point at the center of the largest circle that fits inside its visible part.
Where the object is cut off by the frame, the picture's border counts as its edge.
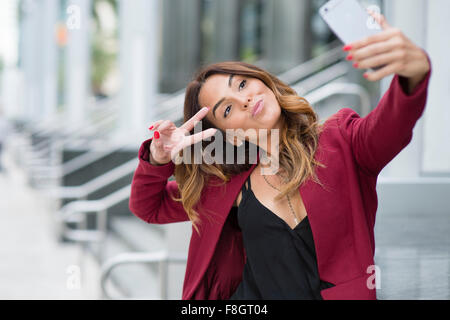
(230, 80)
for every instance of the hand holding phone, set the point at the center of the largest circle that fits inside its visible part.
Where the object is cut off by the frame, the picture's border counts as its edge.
(349, 21)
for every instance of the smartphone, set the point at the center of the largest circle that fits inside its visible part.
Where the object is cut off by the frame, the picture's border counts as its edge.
(349, 21)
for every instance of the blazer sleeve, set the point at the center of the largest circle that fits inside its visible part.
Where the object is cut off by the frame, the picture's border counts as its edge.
(150, 191)
(377, 138)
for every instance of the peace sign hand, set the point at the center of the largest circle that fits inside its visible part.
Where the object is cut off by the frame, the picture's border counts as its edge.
(169, 139)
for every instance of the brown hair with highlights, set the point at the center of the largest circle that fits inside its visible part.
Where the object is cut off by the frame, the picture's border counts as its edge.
(298, 138)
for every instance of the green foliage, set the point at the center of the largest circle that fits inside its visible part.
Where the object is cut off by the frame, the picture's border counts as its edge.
(103, 54)
(102, 62)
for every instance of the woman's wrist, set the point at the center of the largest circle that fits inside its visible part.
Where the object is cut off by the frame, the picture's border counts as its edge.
(153, 161)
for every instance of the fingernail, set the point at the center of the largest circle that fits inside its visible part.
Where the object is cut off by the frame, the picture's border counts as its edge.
(349, 57)
(156, 135)
(151, 128)
(365, 75)
(355, 65)
(347, 48)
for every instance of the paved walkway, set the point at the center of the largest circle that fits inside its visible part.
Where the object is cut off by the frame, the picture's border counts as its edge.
(33, 265)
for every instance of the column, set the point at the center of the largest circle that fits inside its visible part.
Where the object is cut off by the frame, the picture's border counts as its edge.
(30, 55)
(286, 33)
(181, 43)
(49, 62)
(139, 44)
(436, 140)
(77, 63)
(410, 16)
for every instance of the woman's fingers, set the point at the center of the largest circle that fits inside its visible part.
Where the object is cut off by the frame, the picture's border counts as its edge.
(155, 125)
(204, 135)
(387, 33)
(190, 124)
(166, 125)
(375, 49)
(380, 60)
(383, 72)
(390, 50)
(381, 37)
(192, 139)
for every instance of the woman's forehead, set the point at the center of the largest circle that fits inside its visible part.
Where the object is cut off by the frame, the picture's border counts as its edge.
(213, 87)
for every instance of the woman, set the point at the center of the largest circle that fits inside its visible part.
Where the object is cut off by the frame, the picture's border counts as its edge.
(306, 232)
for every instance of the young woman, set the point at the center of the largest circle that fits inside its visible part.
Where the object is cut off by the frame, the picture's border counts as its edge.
(306, 232)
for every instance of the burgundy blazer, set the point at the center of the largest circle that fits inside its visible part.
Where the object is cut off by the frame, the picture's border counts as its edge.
(341, 215)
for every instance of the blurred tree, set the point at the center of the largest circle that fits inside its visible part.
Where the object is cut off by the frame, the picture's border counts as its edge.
(104, 53)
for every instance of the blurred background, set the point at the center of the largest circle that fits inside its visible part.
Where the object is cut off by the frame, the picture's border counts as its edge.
(82, 80)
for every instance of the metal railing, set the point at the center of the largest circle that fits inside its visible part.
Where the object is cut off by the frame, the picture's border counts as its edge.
(342, 88)
(95, 184)
(162, 257)
(76, 211)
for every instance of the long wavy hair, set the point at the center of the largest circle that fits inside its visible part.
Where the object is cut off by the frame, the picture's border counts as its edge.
(298, 138)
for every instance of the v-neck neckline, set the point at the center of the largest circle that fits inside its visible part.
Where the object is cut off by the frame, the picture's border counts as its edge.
(275, 215)
(270, 211)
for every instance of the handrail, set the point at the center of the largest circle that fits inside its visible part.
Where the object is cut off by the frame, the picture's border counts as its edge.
(95, 184)
(81, 128)
(311, 66)
(162, 257)
(67, 136)
(341, 88)
(71, 213)
(321, 78)
(57, 121)
(77, 163)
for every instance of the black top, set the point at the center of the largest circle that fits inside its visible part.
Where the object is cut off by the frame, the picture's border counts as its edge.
(281, 262)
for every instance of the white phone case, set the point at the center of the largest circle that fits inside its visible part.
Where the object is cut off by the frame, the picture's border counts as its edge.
(349, 20)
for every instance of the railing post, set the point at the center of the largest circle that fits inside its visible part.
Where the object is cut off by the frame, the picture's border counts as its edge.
(163, 276)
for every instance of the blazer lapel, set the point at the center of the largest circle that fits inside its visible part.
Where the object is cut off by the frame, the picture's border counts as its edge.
(216, 204)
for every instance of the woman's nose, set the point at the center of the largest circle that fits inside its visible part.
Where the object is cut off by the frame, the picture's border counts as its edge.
(247, 102)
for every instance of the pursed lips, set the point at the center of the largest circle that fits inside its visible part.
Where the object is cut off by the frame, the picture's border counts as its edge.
(256, 107)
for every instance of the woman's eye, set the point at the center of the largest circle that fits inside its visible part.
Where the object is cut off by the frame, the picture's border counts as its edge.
(242, 84)
(225, 113)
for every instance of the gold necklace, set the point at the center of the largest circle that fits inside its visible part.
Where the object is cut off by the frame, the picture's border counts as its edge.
(289, 200)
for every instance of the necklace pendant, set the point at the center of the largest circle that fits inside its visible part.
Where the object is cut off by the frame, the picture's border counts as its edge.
(296, 220)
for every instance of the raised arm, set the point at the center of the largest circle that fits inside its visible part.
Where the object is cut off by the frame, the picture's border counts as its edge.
(377, 138)
(150, 191)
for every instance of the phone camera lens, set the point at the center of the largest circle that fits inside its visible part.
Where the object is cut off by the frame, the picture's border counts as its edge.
(326, 9)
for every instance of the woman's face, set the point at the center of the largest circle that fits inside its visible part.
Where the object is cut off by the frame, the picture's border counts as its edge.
(233, 98)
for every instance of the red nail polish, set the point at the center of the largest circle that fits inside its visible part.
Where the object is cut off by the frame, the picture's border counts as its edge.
(347, 48)
(355, 65)
(350, 57)
(151, 128)
(156, 135)
(365, 75)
